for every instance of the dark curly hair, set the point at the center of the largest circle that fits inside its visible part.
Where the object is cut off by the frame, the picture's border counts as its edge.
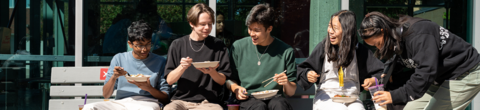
(262, 14)
(139, 30)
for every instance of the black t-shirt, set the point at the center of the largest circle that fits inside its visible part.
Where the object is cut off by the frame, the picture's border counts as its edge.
(193, 85)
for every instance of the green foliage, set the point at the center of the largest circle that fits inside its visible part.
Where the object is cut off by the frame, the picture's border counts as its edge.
(169, 1)
(222, 1)
(224, 10)
(242, 13)
(170, 13)
(107, 14)
(445, 15)
(387, 2)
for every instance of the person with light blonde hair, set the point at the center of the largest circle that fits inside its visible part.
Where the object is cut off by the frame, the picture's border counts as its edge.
(197, 88)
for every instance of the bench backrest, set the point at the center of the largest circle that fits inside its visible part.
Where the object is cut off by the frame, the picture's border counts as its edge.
(303, 99)
(70, 84)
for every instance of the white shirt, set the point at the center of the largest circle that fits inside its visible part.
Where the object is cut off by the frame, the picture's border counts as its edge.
(329, 81)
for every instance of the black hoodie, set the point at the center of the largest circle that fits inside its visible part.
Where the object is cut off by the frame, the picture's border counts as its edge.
(436, 55)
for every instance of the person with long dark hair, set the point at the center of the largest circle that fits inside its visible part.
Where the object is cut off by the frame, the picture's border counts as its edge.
(338, 65)
(447, 70)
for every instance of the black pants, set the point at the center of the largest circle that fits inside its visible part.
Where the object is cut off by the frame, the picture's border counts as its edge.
(278, 103)
(395, 107)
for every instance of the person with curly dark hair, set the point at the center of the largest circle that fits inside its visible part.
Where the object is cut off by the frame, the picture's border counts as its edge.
(260, 57)
(131, 94)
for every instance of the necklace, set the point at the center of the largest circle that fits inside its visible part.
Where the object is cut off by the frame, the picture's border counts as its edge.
(261, 55)
(190, 39)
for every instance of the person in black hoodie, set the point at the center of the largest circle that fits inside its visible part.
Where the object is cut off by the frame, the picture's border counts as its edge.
(446, 67)
(340, 51)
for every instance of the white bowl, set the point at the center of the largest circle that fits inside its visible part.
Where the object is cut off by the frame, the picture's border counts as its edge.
(265, 94)
(138, 79)
(205, 64)
(344, 99)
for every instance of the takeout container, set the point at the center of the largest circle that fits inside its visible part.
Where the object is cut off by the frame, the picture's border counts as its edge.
(205, 64)
(351, 98)
(265, 94)
(138, 79)
(344, 99)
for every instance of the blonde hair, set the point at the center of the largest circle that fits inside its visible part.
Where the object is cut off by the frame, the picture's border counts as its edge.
(194, 13)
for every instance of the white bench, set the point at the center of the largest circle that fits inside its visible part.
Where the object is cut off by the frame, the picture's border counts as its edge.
(70, 84)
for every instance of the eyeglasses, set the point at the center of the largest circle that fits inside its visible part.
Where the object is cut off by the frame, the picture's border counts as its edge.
(141, 47)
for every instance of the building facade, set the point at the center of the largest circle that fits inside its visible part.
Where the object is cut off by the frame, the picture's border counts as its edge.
(40, 34)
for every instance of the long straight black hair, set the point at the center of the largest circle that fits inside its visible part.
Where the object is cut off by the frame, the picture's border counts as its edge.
(372, 25)
(343, 53)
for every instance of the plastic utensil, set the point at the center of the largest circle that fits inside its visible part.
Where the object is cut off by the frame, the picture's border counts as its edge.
(84, 103)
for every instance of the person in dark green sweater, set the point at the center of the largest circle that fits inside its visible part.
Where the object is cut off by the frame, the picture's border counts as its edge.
(258, 58)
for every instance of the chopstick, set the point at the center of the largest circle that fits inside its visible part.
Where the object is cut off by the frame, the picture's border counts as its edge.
(268, 83)
(267, 80)
(271, 80)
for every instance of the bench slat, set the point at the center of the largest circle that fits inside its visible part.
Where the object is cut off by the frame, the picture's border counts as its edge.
(301, 104)
(77, 91)
(76, 75)
(69, 104)
(300, 91)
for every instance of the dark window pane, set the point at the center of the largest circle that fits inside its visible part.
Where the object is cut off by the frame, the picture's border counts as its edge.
(195, 1)
(435, 14)
(429, 2)
(250, 1)
(390, 12)
(386, 2)
(293, 17)
(169, 1)
(241, 13)
(222, 1)
(224, 10)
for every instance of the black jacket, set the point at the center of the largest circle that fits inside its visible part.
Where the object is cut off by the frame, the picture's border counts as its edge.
(436, 55)
(368, 65)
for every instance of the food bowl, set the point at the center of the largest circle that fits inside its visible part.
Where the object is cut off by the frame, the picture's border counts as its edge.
(348, 99)
(205, 64)
(265, 94)
(138, 79)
